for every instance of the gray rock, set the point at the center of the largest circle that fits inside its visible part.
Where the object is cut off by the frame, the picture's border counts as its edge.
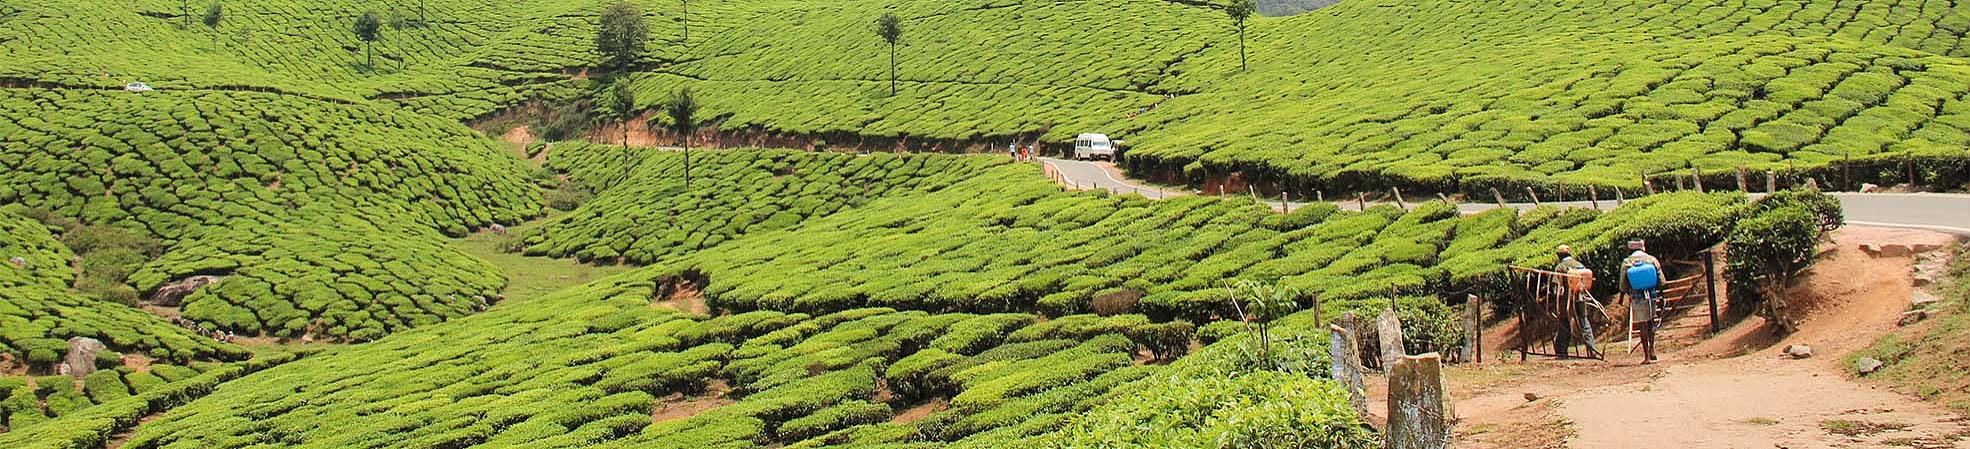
(1799, 351)
(1867, 365)
(1924, 279)
(1417, 417)
(1922, 299)
(173, 294)
(81, 358)
(18, 262)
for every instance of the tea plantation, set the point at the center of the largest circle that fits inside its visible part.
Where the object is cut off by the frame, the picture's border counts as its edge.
(865, 299)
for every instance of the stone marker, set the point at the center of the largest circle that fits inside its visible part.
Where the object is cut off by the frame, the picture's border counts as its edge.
(1867, 365)
(1473, 325)
(1347, 368)
(81, 358)
(1416, 412)
(1388, 329)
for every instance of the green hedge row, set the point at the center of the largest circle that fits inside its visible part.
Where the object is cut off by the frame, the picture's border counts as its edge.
(644, 213)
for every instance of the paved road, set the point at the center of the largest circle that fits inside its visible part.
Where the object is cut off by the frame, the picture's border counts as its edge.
(1932, 211)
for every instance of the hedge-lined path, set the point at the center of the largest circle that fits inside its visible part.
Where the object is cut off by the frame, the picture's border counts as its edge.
(1943, 212)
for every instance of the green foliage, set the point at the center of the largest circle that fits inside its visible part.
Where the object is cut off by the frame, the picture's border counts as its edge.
(1264, 409)
(621, 34)
(1771, 246)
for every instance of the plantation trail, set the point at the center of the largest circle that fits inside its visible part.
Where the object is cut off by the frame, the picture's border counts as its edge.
(677, 406)
(1734, 390)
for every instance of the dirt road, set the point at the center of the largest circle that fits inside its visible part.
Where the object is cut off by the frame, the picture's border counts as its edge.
(1733, 390)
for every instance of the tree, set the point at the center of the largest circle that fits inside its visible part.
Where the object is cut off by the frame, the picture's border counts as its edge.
(213, 14)
(621, 35)
(1239, 10)
(686, 17)
(185, 10)
(682, 108)
(890, 29)
(1258, 304)
(369, 28)
(620, 104)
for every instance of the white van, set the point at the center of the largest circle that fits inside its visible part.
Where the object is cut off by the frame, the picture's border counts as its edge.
(1093, 146)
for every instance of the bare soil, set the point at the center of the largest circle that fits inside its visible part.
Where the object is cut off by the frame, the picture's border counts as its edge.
(122, 437)
(677, 406)
(919, 411)
(1733, 390)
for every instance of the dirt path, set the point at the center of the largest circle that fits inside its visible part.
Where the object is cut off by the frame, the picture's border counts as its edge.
(1734, 390)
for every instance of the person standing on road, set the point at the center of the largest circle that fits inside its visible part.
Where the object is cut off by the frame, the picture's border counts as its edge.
(1012, 148)
(1642, 278)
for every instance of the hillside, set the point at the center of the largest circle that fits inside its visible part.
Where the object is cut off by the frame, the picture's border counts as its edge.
(304, 239)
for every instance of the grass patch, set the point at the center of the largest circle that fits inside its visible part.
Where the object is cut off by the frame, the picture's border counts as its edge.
(530, 277)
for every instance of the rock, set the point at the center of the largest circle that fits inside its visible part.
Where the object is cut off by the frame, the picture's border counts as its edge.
(1924, 279)
(1870, 188)
(1912, 317)
(81, 358)
(1799, 351)
(1416, 412)
(170, 295)
(496, 228)
(1922, 299)
(1530, 396)
(1388, 329)
(1867, 365)
(17, 262)
(1347, 368)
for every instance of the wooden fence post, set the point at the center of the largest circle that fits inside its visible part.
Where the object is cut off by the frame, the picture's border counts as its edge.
(1771, 181)
(1396, 192)
(1534, 195)
(1742, 185)
(1697, 177)
(1618, 199)
(1594, 196)
(1710, 288)
(1499, 197)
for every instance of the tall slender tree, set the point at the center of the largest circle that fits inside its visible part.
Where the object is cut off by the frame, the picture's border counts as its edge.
(369, 28)
(687, 20)
(621, 34)
(890, 29)
(682, 108)
(1239, 10)
(621, 105)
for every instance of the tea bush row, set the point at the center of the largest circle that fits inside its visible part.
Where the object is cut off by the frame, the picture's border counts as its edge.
(649, 215)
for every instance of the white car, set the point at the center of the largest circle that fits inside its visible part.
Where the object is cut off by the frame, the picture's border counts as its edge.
(1093, 146)
(137, 87)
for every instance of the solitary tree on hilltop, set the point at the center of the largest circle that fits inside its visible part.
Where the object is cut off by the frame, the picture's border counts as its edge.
(890, 29)
(1239, 10)
(621, 35)
(621, 105)
(683, 109)
(369, 28)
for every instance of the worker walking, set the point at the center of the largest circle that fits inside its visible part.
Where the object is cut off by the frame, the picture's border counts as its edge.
(1642, 278)
(1579, 286)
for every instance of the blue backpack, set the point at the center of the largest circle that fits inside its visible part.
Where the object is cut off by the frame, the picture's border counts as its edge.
(1643, 276)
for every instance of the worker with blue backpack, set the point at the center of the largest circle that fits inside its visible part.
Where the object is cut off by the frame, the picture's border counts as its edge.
(1643, 278)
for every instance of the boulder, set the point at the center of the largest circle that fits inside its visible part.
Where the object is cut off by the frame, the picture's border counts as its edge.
(1870, 188)
(172, 294)
(1530, 396)
(1923, 279)
(1799, 351)
(1867, 365)
(1912, 317)
(81, 359)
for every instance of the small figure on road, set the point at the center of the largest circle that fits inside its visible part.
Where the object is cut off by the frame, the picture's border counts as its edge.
(1642, 278)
